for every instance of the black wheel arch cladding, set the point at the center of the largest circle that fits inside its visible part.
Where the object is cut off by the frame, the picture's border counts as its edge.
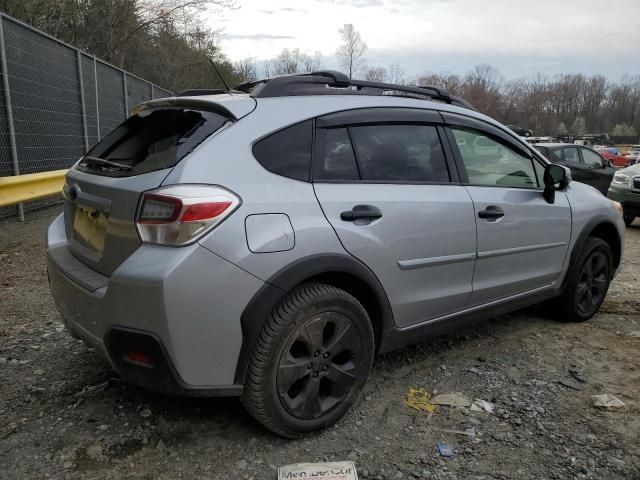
(599, 227)
(339, 270)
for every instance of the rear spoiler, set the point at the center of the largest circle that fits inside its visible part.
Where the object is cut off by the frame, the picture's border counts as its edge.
(232, 106)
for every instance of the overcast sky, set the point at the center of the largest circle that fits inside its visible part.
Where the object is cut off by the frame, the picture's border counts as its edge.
(520, 37)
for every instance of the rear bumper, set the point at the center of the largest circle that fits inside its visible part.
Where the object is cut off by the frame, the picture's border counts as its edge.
(629, 199)
(183, 305)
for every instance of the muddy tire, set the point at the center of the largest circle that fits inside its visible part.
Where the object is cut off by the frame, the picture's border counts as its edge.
(311, 361)
(588, 282)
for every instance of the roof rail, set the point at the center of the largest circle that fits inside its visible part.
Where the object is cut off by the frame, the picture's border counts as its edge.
(331, 82)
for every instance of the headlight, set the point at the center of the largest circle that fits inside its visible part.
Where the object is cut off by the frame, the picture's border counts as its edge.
(621, 179)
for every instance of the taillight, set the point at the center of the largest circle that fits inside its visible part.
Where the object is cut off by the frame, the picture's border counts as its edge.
(179, 215)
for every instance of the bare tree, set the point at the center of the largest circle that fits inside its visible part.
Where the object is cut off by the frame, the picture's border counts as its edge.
(311, 63)
(246, 70)
(579, 126)
(623, 130)
(562, 129)
(396, 74)
(292, 61)
(376, 74)
(351, 51)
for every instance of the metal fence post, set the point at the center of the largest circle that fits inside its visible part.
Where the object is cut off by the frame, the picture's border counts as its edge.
(7, 101)
(82, 104)
(126, 94)
(95, 79)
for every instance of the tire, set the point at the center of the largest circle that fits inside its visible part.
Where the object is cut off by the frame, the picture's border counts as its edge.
(296, 382)
(628, 219)
(588, 282)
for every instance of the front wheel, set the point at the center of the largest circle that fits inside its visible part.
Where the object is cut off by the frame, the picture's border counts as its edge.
(588, 282)
(311, 361)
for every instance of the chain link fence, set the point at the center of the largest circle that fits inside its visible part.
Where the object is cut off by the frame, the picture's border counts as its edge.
(56, 102)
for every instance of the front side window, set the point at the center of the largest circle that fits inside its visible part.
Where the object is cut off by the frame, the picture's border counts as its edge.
(405, 153)
(489, 162)
(591, 158)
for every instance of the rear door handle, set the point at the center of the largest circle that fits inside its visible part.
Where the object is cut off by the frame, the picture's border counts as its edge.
(491, 213)
(358, 212)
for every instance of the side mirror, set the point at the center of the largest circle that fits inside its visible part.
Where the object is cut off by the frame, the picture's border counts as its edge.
(556, 177)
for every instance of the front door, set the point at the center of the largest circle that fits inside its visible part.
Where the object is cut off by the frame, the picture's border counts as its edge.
(387, 190)
(522, 239)
(597, 170)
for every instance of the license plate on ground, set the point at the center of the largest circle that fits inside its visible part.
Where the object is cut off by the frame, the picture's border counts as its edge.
(90, 227)
(318, 471)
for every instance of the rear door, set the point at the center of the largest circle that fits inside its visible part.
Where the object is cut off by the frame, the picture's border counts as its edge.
(522, 239)
(384, 183)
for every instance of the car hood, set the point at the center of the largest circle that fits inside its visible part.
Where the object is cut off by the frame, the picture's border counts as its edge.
(632, 170)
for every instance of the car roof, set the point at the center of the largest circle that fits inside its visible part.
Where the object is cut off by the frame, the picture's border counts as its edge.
(288, 110)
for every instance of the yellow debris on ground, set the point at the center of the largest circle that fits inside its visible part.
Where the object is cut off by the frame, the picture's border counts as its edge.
(418, 398)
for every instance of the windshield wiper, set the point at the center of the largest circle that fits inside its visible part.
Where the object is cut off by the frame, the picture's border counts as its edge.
(107, 163)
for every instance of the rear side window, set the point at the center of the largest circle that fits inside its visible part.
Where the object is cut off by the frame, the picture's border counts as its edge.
(384, 153)
(568, 155)
(287, 152)
(151, 140)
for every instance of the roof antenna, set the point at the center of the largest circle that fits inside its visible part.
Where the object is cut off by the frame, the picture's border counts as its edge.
(226, 85)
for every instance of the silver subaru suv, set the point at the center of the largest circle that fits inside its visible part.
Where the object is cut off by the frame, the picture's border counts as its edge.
(268, 241)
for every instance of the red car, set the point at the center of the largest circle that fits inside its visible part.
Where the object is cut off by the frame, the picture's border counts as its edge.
(614, 156)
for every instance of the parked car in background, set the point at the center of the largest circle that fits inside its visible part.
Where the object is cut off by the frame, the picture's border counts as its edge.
(523, 132)
(634, 154)
(587, 165)
(614, 156)
(625, 188)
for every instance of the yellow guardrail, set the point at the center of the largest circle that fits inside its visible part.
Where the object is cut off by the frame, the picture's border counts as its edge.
(31, 186)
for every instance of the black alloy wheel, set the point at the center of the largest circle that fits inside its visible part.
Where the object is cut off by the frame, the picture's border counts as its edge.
(319, 365)
(593, 283)
(587, 282)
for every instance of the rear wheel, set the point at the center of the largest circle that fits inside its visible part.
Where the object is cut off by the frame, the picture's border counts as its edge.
(311, 361)
(588, 282)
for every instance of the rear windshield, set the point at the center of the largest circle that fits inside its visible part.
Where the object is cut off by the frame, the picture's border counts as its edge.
(151, 140)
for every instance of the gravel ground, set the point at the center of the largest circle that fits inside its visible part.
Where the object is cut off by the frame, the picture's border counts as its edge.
(65, 414)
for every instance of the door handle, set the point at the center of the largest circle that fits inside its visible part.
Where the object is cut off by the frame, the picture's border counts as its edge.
(358, 212)
(491, 213)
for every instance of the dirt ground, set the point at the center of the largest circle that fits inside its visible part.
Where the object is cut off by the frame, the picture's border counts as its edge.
(65, 414)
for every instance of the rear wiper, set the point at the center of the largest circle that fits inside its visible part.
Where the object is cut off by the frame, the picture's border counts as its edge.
(101, 161)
